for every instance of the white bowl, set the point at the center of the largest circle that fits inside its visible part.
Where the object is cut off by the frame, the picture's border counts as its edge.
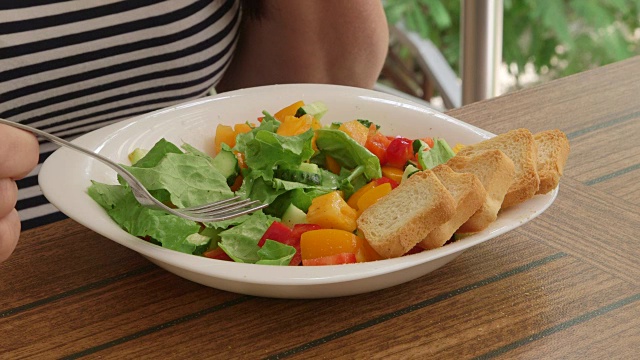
(66, 175)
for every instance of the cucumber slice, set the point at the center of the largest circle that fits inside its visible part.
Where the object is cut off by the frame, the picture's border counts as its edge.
(316, 109)
(309, 167)
(408, 171)
(300, 176)
(293, 216)
(227, 164)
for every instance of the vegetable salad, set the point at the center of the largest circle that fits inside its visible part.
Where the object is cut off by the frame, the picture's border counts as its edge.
(317, 179)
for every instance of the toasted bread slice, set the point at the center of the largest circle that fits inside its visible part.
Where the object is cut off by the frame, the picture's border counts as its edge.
(520, 146)
(469, 194)
(400, 220)
(553, 151)
(496, 171)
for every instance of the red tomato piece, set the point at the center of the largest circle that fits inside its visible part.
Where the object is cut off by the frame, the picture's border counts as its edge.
(294, 240)
(400, 151)
(377, 144)
(217, 253)
(384, 180)
(297, 257)
(343, 258)
(299, 229)
(277, 231)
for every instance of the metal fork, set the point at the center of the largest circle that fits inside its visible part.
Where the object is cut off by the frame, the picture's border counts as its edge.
(215, 211)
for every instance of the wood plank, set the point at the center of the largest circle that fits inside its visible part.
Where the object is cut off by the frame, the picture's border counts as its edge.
(593, 226)
(60, 257)
(622, 184)
(474, 323)
(619, 338)
(266, 326)
(101, 315)
(593, 164)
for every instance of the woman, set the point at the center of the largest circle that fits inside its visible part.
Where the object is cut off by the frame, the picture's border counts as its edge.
(72, 67)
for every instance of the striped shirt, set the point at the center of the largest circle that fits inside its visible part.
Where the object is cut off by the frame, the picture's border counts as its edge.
(69, 67)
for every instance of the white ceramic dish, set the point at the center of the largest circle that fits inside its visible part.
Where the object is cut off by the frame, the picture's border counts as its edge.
(66, 174)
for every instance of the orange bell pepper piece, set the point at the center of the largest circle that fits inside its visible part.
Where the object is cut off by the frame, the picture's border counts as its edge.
(330, 211)
(288, 111)
(356, 131)
(292, 125)
(241, 128)
(332, 165)
(327, 242)
(224, 135)
(369, 253)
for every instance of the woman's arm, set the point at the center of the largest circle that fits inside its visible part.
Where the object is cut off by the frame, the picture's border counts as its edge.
(310, 41)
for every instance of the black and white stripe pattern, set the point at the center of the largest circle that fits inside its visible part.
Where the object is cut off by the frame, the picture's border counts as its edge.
(69, 67)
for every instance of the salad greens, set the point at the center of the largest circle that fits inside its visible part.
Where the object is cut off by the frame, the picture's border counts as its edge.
(439, 154)
(348, 152)
(186, 176)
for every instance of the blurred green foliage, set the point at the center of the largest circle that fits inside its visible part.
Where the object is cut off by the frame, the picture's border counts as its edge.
(558, 37)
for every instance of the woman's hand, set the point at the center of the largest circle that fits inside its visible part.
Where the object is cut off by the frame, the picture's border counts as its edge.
(18, 156)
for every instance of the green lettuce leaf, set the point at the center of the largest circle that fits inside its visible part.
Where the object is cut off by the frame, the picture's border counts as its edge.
(256, 187)
(171, 231)
(275, 253)
(268, 150)
(347, 152)
(269, 124)
(352, 181)
(302, 198)
(189, 149)
(157, 153)
(189, 179)
(241, 242)
(439, 154)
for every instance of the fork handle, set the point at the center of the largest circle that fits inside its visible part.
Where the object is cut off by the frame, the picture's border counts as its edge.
(54, 139)
(57, 140)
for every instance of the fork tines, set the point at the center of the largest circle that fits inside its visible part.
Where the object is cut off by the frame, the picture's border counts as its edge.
(223, 209)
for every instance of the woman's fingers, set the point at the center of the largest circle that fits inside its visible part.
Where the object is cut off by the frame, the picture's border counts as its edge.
(18, 156)
(9, 233)
(8, 196)
(18, 152)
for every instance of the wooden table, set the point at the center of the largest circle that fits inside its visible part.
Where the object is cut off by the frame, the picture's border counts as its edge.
(564, 286)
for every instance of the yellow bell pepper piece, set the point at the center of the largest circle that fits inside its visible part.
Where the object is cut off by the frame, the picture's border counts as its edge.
(368, 252)
(457, 148)
(288, 111)
(315, 123)
(372, 196)
(326, 242)
(392, 173)
(241, 128)
(356, 130)
(332, 164)
(292, 126)
(330, 211)
(353, 199)
(224, 135)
